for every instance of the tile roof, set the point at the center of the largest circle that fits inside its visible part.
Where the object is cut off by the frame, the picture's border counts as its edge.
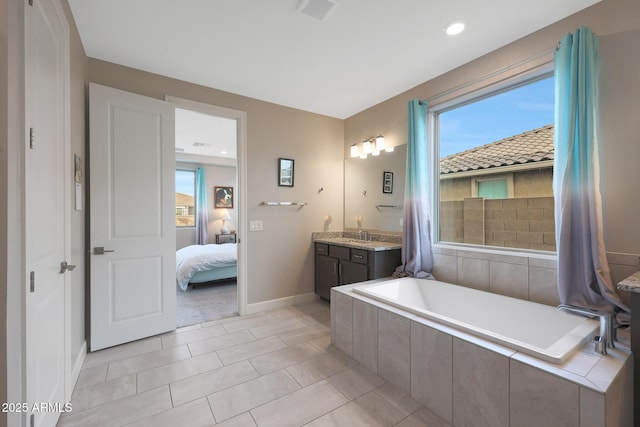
(532, 146)
(184, 200)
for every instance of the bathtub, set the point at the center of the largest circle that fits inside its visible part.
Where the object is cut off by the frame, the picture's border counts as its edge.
(535, 329)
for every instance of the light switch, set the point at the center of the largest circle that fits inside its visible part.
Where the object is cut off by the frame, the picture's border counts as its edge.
(255, 225)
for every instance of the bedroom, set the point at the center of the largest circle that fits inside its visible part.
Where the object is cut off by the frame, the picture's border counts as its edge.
(207, 142)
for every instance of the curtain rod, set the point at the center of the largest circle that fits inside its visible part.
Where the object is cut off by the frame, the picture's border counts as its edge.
(489, 75)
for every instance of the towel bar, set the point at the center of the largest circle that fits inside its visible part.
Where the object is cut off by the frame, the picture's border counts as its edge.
(389, 206)
(284, 203)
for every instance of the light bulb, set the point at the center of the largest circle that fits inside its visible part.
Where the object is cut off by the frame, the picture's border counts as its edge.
(366, 147)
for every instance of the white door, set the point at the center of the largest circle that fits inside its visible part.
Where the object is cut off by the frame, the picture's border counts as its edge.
(132, 216)
(47, 187)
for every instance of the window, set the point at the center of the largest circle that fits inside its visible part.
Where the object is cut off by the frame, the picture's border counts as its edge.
(185, 198)
(493, 189)
(496, 167)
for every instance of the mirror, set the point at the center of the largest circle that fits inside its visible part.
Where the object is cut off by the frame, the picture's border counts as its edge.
(368, 204)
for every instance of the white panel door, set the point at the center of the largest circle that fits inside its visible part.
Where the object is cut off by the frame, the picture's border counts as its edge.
(47, 183)
(132, 216)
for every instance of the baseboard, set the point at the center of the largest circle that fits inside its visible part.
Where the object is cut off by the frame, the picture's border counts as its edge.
(280, 302)
(77, 367)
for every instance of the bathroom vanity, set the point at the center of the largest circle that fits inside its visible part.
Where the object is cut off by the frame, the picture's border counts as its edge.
(343, 260)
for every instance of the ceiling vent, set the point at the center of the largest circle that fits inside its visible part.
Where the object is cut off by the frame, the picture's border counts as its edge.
(318, 9)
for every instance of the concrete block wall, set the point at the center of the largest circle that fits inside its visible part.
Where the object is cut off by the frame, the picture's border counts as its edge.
(526, 223)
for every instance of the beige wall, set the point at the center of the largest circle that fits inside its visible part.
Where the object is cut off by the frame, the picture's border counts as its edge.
(533, 183)
(529, 183)
(280, 261)
(617, 22)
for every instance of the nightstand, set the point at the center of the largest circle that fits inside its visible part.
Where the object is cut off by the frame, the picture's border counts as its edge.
(225, 238)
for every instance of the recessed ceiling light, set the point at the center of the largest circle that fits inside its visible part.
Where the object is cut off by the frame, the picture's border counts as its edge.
(223, 152)
(456, 27)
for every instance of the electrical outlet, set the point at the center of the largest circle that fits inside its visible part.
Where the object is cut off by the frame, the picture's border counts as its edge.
(255, 225)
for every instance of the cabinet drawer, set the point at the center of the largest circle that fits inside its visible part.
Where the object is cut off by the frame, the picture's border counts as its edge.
(358, 255)
(322, 249)
(339, 252)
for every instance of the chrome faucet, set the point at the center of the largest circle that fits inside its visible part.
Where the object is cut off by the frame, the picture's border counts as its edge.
(364, 235)
(607, 335)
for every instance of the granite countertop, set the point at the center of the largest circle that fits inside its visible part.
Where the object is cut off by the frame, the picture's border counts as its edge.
(369, 245)
(631, 283)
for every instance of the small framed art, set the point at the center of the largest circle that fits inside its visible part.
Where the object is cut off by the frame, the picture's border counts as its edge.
(387, 182)
(285, 172)
(223, 197)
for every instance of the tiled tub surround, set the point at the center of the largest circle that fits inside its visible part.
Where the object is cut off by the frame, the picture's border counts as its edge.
(531, 277)
(469, 381)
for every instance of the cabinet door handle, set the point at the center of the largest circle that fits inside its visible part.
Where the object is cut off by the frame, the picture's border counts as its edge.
(358, 256)
(340, 271)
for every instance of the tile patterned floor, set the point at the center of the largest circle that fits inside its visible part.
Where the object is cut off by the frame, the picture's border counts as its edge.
(276, 368)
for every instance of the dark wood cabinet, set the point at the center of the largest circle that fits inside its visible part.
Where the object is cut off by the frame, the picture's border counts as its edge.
(337, 265)
(326, 275)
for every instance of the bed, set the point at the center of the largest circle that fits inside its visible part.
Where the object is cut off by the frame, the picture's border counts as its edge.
(205, 263)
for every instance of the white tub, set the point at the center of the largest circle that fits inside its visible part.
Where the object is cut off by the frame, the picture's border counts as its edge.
(535, 329)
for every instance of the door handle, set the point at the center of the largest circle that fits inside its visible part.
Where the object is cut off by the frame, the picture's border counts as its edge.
(100, 250)
(66, 267)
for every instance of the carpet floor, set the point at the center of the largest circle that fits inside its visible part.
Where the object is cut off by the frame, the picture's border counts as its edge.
(207, 302)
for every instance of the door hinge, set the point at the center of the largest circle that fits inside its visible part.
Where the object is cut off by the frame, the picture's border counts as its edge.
(30, 2)
(32, 281)
(32, 138)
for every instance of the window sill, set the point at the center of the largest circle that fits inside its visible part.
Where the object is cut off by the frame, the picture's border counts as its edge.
(494, 250)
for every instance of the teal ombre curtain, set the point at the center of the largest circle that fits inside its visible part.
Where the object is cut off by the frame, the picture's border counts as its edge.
(417, 258)
(202, 218)
(584, 277)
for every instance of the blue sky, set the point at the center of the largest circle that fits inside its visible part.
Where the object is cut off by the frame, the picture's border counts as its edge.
(185, 182)
(501, 116)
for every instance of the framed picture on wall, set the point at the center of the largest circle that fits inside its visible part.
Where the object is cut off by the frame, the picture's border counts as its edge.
(387, 182)
(223, 197)
(285, 172)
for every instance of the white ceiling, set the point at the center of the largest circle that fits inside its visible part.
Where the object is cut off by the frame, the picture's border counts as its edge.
(205, 135)
(364, 52)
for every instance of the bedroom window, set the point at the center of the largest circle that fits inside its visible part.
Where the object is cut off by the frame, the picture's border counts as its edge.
(185, 198)
(496, 167)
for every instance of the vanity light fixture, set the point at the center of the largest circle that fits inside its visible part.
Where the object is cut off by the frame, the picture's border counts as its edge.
(454, 28)
(374, 146)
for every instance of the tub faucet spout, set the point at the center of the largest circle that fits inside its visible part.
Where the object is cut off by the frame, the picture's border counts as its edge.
(607, 335)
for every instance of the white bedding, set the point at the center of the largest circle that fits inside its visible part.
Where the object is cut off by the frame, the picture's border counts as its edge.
(196, 258)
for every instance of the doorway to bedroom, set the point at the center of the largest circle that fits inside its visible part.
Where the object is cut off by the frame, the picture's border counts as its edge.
(207, 212)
